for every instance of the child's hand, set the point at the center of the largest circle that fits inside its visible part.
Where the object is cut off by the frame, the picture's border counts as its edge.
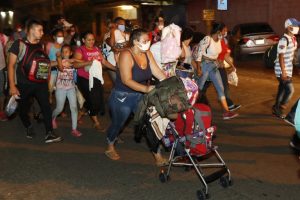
(67, 63)
(58, 54)
(72, 60)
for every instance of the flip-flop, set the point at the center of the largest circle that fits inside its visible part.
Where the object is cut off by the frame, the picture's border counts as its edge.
(113, 155)
(162, 162)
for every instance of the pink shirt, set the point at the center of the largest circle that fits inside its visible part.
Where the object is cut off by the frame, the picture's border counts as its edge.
(88, 55)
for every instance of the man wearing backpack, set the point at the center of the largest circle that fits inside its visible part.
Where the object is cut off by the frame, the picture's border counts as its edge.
(33, 67)
(284, 66)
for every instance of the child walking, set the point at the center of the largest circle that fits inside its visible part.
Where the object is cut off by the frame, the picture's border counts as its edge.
(65, 88)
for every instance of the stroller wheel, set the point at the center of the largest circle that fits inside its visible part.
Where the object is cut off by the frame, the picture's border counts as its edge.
(163, 177)
(201, 195)
(225, 182)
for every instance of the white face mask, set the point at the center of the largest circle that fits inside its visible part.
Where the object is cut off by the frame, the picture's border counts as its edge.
(295, 30)
(144, 47)
(121, 27)
(225, 34)
(220, 36)
(160, 27)
(60, 40)
(78, 43)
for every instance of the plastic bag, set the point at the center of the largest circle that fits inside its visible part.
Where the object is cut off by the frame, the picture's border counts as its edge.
(80, 98)
(233, 78)
(12, 105)
(170, 43)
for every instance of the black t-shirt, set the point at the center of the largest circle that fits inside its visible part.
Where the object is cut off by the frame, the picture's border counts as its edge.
(15, 48)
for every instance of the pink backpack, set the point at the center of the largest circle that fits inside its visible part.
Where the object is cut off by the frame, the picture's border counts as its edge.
(170, 43)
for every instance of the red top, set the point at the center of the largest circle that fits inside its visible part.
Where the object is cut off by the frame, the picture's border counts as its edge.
(154, 36)
(88, 55)
(225, 50)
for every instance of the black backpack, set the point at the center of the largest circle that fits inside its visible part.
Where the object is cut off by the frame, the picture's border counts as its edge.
(35, 64)
(271, 54)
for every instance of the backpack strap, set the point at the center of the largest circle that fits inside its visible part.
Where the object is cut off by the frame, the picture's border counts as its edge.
(22, 50)
(287, 40)
(198, 114)
(208, 44)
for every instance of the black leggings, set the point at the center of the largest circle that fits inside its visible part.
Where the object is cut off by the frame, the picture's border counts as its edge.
(94, 100)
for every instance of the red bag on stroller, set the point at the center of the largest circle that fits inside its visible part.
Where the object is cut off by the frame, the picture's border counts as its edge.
(195, 125)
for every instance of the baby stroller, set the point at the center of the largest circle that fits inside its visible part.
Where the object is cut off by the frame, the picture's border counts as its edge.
(191, 138)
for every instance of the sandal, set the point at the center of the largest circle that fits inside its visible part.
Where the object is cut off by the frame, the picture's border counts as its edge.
(99, 128)
(112, 154)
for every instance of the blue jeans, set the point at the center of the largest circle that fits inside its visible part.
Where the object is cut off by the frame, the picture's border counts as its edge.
(285, 92)
(61, 95)
(121, 105)
(210, 70)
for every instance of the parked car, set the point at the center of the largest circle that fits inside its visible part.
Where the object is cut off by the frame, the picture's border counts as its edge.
(251, 38)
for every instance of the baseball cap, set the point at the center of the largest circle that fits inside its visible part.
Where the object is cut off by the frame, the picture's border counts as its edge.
(291, 22)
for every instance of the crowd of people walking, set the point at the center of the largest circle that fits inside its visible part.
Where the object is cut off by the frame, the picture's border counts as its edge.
(71, 65)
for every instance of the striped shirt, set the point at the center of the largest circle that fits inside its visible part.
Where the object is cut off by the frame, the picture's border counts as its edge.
(288, 52)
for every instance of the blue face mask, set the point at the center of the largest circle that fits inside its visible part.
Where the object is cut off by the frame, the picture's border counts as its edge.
(121, 27)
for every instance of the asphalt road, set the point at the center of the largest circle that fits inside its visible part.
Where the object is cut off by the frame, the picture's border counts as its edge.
(254, 145)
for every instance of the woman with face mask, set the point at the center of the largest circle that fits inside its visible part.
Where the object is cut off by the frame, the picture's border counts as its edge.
(208, 64)
(136, 68)
(51, 49)
(159, 24)
(223, 57)
(119, 38)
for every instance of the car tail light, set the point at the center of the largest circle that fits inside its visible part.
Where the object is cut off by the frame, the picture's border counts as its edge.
(245, 40)
(274, 38)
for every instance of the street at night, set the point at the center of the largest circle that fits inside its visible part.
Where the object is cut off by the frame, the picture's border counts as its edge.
(255, 146)
(149, 100)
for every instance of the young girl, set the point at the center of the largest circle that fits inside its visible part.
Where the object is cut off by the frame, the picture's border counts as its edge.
(65, 87)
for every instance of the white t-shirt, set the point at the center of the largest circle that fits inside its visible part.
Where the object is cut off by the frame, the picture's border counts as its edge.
(288, 51)
(65, 79)
(209, 48)
(120, 36)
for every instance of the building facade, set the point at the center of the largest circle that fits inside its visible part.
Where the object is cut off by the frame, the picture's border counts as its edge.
(275, 12)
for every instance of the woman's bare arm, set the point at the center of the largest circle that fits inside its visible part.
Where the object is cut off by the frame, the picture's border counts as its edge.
(156, 71)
